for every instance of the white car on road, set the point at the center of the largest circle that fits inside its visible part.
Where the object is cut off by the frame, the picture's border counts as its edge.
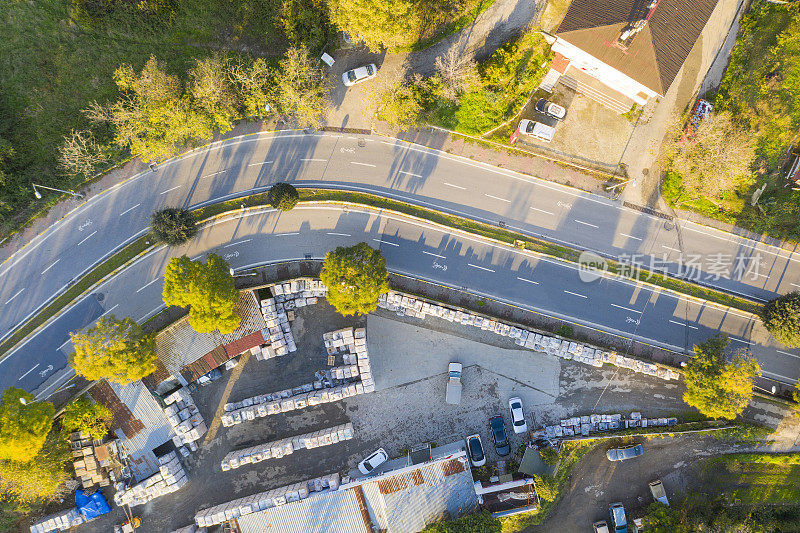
(517, 415)
(373, 461)
(357, 75)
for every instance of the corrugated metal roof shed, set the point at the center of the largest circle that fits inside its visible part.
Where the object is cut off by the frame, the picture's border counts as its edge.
(328, 512)
(249, 310)
(156, 430)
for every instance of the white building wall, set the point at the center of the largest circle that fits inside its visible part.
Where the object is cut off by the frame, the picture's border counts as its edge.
(603, 72)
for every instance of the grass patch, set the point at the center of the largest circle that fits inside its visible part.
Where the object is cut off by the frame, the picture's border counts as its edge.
(756, 478)
(467, 17)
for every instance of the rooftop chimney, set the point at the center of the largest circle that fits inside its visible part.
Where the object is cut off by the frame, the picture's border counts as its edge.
(641, 12)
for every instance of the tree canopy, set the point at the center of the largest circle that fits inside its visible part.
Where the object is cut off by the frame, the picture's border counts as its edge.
(781, 317)
(355, 277)
(173, 226)
(91, 418)
(301, 88)
(208, 290)
(39, 479)
(113, 349)
(23, 427)
(379, 24)
(716, 387)
(283, 196)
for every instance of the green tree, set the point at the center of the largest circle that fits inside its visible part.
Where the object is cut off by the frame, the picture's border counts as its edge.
(91, 418)
(399, 105)
(546, 487)
(39, 479)
(253, 84)
(716, 387)
(355, 277)
(207, 289)
(212, 90)
(662, 518)
(23, 427)
(781, 317)
(379, 24)
(301, 88)
(173, 226)
(305, 22)
(113, 349)
(283, 196)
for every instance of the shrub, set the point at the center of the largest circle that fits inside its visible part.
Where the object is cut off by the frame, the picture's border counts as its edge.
(283, 196)
(173, 226)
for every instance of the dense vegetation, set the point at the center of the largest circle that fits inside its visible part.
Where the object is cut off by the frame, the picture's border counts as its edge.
(355, 276)
(781, 317)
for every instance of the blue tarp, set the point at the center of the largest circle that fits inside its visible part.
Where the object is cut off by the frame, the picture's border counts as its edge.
(91, 506)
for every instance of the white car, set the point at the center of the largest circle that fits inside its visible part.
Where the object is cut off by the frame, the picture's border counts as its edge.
(357, 75)
(475, 450)
(517, 416)
(543, 132)
(549, 108)
(373, 461)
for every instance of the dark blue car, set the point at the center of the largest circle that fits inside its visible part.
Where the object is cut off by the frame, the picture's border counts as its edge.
(499, 435)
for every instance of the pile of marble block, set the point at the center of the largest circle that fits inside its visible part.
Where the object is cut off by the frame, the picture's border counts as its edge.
(278, 333)
(170, 477)
(191, 529)
(60, 521)
(594, 423)
(352, 345)
(279, 448)
(407, 305)
(264, 500)
(185, 419)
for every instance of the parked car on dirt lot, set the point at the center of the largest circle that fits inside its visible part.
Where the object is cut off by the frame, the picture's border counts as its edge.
(618, 518)
(373, 461)
(621, 454)
(600, 527)
(360, 74)
(543, 132)
(549, 108)
(453, 391)
(517, 416)
(209, 377)
(658, 492)
(475, 450)
(499, 435)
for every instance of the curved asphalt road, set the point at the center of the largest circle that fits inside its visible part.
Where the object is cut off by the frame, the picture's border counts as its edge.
(394, 169)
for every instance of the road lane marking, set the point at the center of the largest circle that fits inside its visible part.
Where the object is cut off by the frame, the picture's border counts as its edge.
(415, 175)
(148, 314)
(172, 189)
(64, 343)
(211, 175)
(31, 370)
(795, 284)
(542, 211)
(743, 341)
(586, 223)
(9, 300)
(575, 294)
(339, 234)
(259, 164)
(482, 268)
(362, 164)
(528, 280)
(630, 236)
(385, 242)
(684, 324)
(144, 287)
(285, 234)
(51, 266)
(312, 159)
(498, 198)
(627, 309)
(433, 254)
(104, 314)
(455, 186)
(86, 238)
(792, 380)
(670, 248)
(787, 353)
(238, 242)
(130, 209)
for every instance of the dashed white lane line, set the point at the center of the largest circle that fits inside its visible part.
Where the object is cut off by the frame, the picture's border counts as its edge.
(455, 186)
(795, 284)
(670, 248)
(363, 164)
(172, 189)
(684, 324)
(542, 211)
(51, 265)
(433, 254)
(140, 289)
(86, 238)
(789, 354)
(385, 242)
(743, 341)
(28, 372)
(586, 223)
(497, 198)
(64, 343)
(129, 209)
(104, 314)
(412, 174)
(18, 293)
(627, 309)
(482, 268)
(213, 174)
(575, 294)
(259, 164)
(313, 160)
(237, 242)
(339, 234)
(528, 280)
(286, 234)
(630, 236)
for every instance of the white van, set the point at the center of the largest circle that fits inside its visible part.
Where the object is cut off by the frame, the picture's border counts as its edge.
(543, 132)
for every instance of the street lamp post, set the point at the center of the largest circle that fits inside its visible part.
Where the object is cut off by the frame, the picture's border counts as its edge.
(254, 273)
(632, 181)
(23, 401)
(39, 195)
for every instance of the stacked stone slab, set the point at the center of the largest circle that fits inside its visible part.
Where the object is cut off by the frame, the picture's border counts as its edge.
(191, 529)
(60, 521)
(185, 419)
(169, 478)
(264, 500)
(279, 448)
(406, 305)
(594, 423)
(352, 344)
(278, 312)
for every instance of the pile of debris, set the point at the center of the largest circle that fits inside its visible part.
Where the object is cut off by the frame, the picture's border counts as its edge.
(61, 521)
(170, 477)
(279, 448)
(405, 305)
(185, 419)
(264, 500)
(191, 529)
(584, 425)
(91, 460)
